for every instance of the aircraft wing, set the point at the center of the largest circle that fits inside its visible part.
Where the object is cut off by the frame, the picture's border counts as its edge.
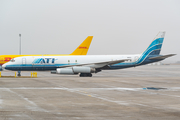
(161, 57)
(113, 62)
(98, 64)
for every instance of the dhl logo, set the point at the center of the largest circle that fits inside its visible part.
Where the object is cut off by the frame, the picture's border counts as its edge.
(5, 59)
(83, 48)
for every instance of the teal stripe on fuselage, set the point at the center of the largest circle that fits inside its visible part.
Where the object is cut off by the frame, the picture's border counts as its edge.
(157, 41)
(32, 67)
(36, 60)
(143, 59)
(147, 53)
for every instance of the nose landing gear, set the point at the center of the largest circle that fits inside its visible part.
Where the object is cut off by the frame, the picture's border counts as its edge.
(19, 73)
(85, 75)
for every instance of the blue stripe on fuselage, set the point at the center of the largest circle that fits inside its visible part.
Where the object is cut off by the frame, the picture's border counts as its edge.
(147, 53)
(152, 51)
(36, 67)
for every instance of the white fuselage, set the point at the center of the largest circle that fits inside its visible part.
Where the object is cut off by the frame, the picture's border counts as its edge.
(54, 62)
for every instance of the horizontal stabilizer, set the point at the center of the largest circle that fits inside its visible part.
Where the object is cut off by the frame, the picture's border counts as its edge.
(161, 57)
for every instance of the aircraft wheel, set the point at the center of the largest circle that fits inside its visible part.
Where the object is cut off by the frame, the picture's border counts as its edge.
(81, 75)
(19, 73)
(85, 75)
(90, 75)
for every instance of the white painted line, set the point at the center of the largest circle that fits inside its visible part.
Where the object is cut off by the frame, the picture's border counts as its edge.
(33, 105)
(63, 88)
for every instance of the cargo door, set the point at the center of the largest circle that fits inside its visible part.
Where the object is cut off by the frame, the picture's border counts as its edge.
(23, 63)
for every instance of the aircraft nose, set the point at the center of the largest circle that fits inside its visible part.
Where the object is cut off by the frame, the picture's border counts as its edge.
(4, 66)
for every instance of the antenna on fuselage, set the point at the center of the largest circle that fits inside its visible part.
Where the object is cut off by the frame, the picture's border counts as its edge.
(19, 44)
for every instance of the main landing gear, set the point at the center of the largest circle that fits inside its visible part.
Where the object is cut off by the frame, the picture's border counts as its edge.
(85, 75)
(19, 73)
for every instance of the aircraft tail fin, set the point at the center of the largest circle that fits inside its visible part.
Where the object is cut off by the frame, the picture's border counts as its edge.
(84, 47)
(154, 48)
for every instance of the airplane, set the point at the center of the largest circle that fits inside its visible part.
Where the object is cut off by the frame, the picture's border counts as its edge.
(82, 49)
(86, 65)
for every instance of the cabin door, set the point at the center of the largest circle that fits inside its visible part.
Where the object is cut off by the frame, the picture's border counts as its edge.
(23, 63)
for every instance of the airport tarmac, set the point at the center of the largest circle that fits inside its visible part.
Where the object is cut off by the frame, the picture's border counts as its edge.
(141, 93)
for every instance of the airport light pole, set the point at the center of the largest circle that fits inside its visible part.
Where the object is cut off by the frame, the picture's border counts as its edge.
(20, 44)
(19, 72)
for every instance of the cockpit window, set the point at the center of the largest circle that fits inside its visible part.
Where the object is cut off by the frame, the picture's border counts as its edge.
(12, 60)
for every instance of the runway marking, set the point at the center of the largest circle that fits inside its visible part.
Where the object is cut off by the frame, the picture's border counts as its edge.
(99, 97)
(82, 92)
(57, 88)
(64, 88)
(35, 107)
(78, 91)
(28, 116)
(1, 101)
(161, 94)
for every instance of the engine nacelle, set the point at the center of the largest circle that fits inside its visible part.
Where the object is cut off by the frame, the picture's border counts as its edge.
(64, 71)
(74, 70)
(79, 69)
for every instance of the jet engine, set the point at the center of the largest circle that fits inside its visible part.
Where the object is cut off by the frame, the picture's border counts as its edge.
(74, 70)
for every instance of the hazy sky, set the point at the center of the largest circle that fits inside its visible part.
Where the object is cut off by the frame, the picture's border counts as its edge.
(59, 26)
